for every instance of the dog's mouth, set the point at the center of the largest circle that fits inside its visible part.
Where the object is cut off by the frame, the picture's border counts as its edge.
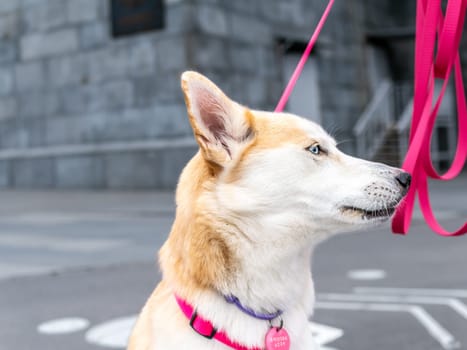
(367, 214)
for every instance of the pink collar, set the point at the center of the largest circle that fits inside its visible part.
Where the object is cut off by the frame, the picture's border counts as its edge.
(205, 328)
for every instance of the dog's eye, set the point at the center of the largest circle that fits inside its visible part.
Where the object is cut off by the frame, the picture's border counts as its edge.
(315, 149)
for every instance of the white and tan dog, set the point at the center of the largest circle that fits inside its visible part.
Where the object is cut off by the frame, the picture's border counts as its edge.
(261, 192)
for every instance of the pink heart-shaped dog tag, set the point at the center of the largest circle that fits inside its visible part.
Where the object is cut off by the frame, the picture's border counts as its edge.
(277, 339)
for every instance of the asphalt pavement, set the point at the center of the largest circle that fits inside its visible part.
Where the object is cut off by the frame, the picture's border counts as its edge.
(76, 267)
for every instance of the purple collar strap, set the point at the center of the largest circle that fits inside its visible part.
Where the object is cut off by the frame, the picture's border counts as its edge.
(231, 299)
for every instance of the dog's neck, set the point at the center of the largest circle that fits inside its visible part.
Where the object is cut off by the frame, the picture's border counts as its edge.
(262, 277)
(269, 284)
(209, 252)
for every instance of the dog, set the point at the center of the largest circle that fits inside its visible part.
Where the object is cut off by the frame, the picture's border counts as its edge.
(262, 191)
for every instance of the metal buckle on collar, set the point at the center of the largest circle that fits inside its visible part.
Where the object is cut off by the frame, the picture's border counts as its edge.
(192, 325)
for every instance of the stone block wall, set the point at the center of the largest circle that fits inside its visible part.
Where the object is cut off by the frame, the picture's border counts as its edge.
(343, 68)
(80, 109)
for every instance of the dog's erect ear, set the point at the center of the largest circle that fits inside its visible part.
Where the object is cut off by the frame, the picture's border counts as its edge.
(222, 127)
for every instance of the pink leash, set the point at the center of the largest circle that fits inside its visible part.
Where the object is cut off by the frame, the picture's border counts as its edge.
(430, 21)
(298, 70)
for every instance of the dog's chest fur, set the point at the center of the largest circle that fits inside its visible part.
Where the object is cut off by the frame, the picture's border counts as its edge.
(267, 276)
(170, 330)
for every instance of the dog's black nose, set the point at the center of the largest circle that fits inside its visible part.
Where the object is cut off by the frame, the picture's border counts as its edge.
(404, 180)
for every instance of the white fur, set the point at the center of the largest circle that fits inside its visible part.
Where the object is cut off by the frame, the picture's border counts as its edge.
(285, 202)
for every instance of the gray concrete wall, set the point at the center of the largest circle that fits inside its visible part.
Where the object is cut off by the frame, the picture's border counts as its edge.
(343, 67)
(81, 109)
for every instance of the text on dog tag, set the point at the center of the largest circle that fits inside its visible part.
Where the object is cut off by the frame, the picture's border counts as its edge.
(277, 339)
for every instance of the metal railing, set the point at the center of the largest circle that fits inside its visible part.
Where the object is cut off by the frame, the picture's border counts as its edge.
(440, 154)
(375, 121)
(391, 110)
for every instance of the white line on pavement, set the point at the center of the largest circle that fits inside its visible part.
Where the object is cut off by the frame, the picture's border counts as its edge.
(63, 325)
(113, 333)
(366, 275)
(436, 330)
(453, 293)
(324, 335)
(60, 243)
(455, 304)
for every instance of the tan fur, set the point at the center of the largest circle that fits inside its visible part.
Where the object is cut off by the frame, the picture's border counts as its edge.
(142, 333)
(205, 256)
(192, 242)
(193, 239)
(195, 257)
(275, 132)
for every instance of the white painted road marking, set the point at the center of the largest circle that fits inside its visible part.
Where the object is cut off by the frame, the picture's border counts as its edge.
(455, 304)
(453, 293)
(8, 270)
(437, 331)
(366, 275)
(324, 335)
(112, 334)
(60, 244)
(63, 326)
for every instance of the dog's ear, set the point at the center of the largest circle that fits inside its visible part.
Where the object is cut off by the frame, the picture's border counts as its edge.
(221, 126)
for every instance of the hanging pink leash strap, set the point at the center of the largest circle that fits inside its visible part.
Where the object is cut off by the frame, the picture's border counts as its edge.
(298, 70)
(431, 21)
